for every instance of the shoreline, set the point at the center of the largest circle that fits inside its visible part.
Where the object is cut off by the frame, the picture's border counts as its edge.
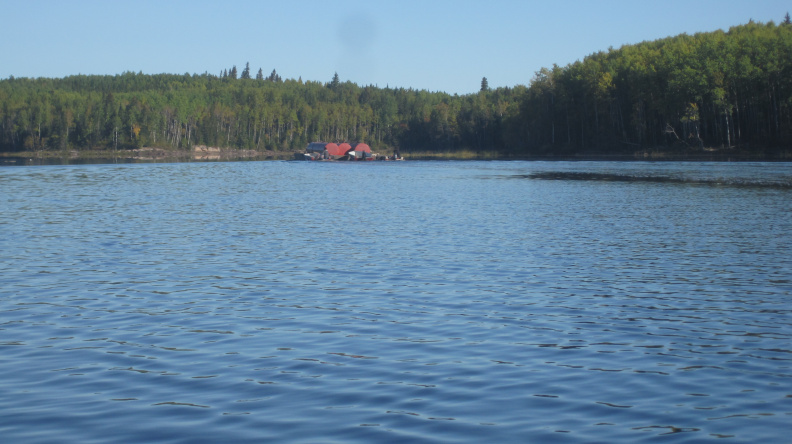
(142, 155)
(207, 154)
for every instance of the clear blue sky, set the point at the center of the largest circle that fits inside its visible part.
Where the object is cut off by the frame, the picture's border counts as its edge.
(437, 45)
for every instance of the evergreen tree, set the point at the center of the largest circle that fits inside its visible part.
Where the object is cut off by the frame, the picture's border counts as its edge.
(787, 20)
(233, 72)
(260, 75)
(246, 71)
(335, 82)
(484, 84)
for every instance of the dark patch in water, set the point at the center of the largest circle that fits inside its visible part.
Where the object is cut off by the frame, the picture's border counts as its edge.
(614, 177)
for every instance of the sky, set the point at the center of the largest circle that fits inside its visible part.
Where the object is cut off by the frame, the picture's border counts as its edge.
(434, 45)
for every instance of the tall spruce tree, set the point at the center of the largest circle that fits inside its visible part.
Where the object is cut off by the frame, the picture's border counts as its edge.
(246, 71)
(274, 77)
(335, 82)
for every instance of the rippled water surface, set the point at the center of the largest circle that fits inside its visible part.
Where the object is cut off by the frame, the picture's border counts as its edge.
(400, 301)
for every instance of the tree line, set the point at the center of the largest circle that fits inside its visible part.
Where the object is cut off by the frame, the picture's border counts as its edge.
(730, 89)
(719, 89)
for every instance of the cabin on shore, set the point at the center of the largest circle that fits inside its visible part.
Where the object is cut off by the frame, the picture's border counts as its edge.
(333, 151)
(360, 151)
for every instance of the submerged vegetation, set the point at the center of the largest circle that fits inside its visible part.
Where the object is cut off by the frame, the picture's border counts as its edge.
(727, 90)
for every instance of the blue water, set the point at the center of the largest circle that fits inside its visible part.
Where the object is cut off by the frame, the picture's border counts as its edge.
(302, 302)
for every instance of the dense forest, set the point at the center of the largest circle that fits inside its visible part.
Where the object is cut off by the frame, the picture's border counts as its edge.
(724, 89)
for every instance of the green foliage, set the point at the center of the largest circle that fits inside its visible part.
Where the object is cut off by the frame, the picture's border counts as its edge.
(730, 89)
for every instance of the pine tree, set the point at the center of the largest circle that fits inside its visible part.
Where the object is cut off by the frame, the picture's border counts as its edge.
(787, 20)
(260, 75)
(233, 72)
(246, 71)
(335, 82)
(484, 84)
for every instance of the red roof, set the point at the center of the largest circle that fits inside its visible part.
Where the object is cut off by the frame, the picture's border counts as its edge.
(333, 149)
(344, 147)
(361, 147)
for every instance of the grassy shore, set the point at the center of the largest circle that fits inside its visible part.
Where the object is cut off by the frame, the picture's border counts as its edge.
(148, 154)
(454, 155)
(660, 154)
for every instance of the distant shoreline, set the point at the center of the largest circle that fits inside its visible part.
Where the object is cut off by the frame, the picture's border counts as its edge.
(198, 153)
(202, 153)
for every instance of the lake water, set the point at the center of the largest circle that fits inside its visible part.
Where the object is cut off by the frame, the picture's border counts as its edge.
(302, 302)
